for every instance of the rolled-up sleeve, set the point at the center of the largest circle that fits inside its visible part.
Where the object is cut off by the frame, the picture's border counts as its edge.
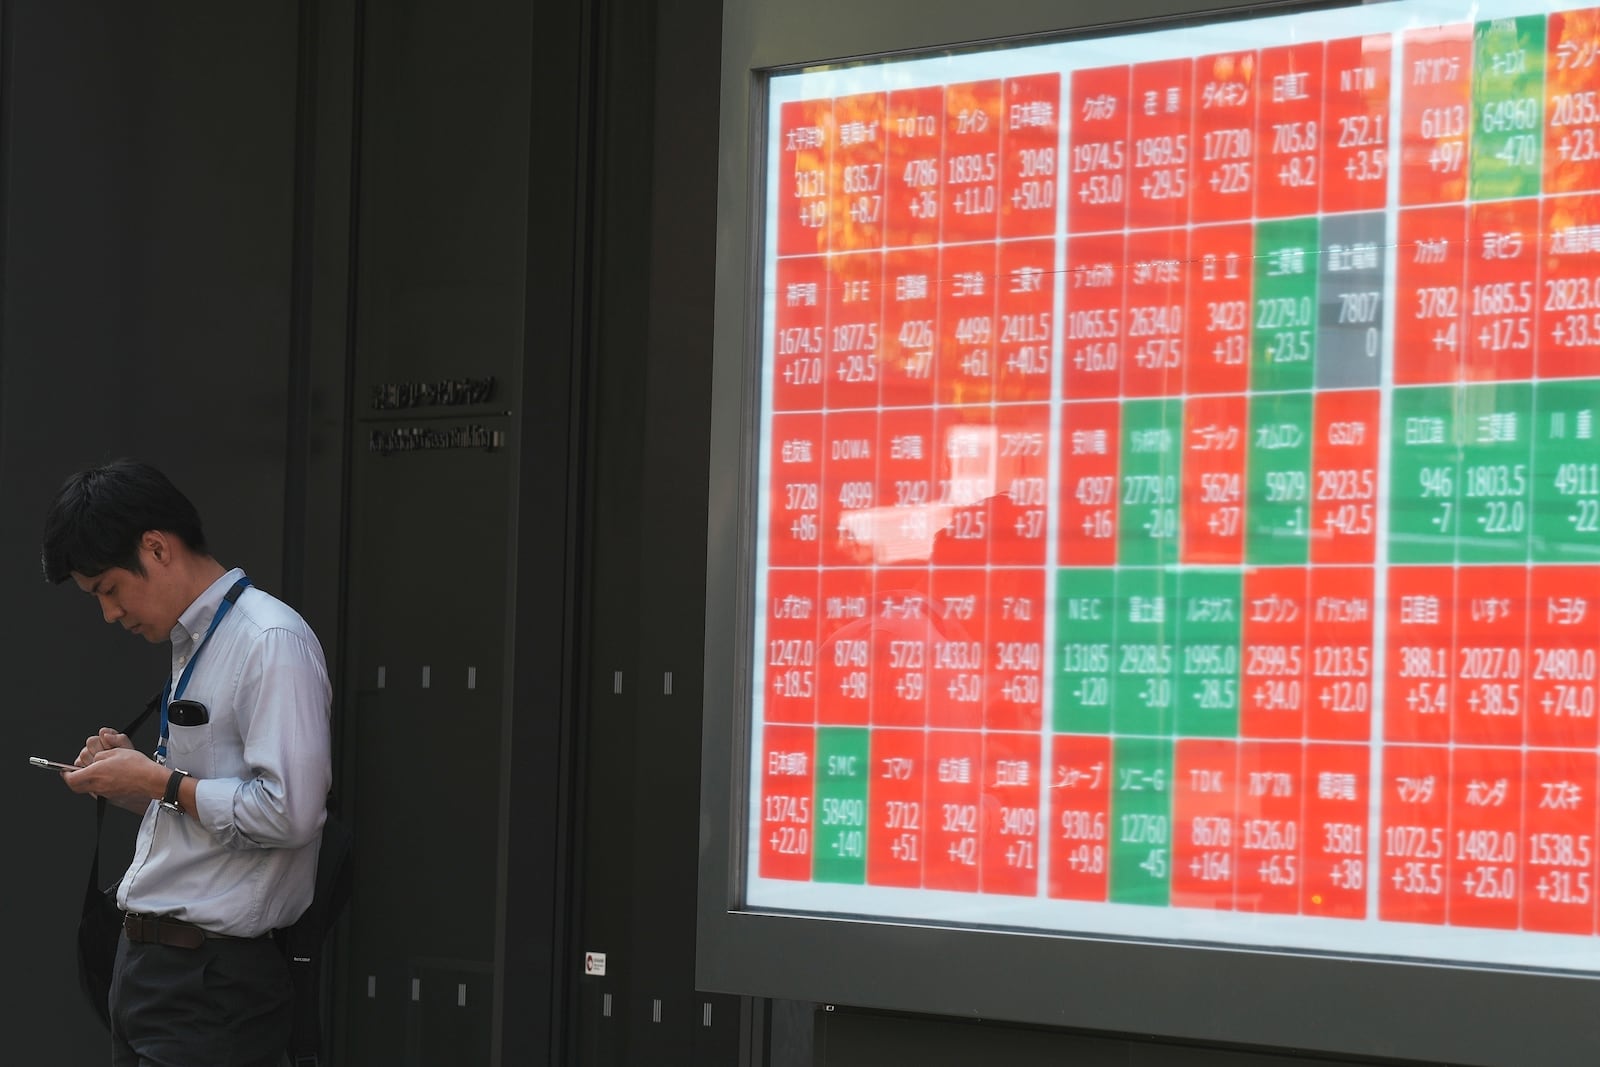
(283, 699)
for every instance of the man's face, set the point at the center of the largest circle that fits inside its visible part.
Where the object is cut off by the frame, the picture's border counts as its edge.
(137, 601)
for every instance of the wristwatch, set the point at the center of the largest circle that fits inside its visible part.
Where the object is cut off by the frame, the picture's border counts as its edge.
(170, 801)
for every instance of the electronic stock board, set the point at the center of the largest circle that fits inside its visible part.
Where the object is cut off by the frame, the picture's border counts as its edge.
(1175, 499)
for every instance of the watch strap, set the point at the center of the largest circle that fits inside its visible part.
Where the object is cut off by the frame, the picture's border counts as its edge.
(170, 801)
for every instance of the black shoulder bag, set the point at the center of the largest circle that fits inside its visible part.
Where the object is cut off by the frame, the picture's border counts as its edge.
(100, 926)
(303, 942)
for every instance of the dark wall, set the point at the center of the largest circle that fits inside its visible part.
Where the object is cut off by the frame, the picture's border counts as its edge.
(150, 254)
(655, 123)
(439, 288)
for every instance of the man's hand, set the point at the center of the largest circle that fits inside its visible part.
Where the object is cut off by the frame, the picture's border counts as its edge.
(107, 738)
(112, 768)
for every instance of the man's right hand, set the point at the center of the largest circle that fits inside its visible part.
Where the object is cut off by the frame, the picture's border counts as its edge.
(107, 738)
(105, 741)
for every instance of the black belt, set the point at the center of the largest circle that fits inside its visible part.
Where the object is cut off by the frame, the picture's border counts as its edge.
(165, 930)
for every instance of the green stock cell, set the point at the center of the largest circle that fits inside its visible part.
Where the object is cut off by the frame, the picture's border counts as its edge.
(1141, 821)
(1209, 627)
(840, 849)
(1147, 511)
(1144, 654)
(1424, 476)
(1283, 338)
(1566, 472)
(1496, 486)
(1278, 502)
(1085, 639)
(1507, 108)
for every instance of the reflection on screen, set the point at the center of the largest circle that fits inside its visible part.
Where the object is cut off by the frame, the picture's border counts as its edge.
(1179, 498)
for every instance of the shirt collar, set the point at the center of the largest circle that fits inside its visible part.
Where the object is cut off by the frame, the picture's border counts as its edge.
(196, 618)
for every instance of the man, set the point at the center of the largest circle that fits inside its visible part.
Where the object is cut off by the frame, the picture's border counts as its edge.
(233, 799)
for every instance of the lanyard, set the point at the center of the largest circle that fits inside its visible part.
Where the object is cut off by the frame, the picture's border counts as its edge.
(171, 694)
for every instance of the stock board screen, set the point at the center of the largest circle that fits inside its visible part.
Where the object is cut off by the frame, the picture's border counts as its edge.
(1179, 489)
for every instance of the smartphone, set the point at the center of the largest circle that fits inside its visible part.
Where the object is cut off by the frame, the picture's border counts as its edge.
(50, 764)
(187, 713)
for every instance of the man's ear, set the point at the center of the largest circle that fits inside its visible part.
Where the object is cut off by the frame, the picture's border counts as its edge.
(156, 544)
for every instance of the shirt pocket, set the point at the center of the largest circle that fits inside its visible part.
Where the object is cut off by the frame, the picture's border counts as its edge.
(189, 748)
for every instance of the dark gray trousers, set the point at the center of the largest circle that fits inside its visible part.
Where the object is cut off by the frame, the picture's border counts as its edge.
(228, 1003)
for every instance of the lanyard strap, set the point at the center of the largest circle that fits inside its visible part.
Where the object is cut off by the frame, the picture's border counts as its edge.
(170, 694)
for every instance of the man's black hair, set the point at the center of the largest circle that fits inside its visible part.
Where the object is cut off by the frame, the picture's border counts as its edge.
(98, 517)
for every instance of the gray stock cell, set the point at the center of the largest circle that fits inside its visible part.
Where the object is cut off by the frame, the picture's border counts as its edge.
(1350, 331)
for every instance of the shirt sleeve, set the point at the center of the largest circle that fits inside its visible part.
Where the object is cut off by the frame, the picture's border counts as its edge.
(283, 705)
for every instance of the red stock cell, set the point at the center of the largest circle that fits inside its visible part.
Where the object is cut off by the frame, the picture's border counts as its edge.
(1569, 303)
(1089, 496)
(1341, 655)
(805, 133)
(904, 524)
(1080, 817)
(966, 355)
(793, 639)
(1272, 702)
(1019, 505)
(1220, 266)
(1014, 687)
(966, 466)
(1572, 119)
(1292, 140)
(1355, 132)
(1489, 672)
(857, 178)
(845, 653)
(960, 614)
(1162, 157)
(896, 819)
(1435, 114)
(1094, 338)
(954, 815)
(799, 334)
(1338, 854)
(1011, 815)
(904, 633)
(1430, 295)
(854, 338)
(1344, 475)
(795, 507)
(1215, 434)
(1414, 848)
(787, 825)
(971, 180)
(1097, 189)
(1563, 647)
(1485, 837)
(1026, 333)
(1225, 131)
(849, 487)
(1558, 855)
(909, 339)
(1205, 824)
(1419, 656)
(1030, 176)
(1271, 828)
(1502, 293)
(916, 160)
(1156, 304)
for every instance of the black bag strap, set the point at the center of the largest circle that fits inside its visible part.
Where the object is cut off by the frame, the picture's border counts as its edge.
(100, 802)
